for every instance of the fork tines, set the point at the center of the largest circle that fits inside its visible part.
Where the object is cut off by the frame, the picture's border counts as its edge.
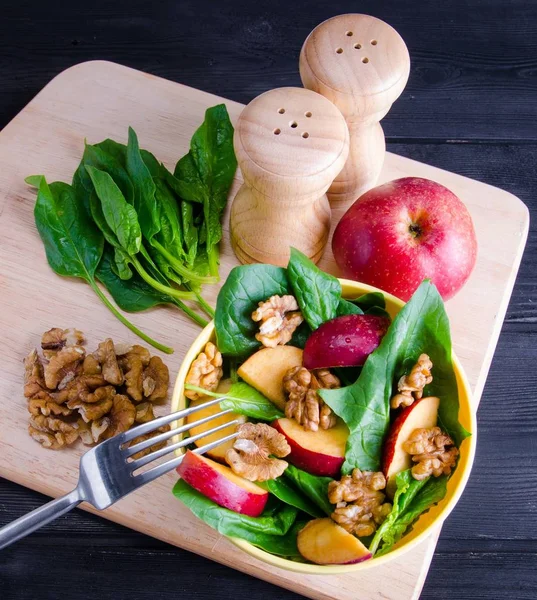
(146, 428)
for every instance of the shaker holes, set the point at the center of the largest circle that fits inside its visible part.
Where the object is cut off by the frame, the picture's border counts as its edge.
(307, 114)
(281, 111)
(374, 42)
(348, 33)
(305, 135)
(339, 50)
(277, 131)
(293, 124)
(357, 46)
(365, 59)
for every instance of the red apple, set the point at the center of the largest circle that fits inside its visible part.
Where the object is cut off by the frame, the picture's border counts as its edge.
(422, 414)
(399, 233)
(344, 341)
(222, 486)
(317, 452)
(324, 542)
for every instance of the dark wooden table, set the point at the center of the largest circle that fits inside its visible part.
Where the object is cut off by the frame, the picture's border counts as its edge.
(470, 107)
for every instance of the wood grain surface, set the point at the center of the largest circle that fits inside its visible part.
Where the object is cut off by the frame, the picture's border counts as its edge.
(469, 107)
(98, 99)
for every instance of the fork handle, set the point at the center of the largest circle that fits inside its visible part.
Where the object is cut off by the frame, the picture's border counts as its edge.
(37, 518)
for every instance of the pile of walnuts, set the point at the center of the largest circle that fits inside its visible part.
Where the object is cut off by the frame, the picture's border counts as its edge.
(74, 394)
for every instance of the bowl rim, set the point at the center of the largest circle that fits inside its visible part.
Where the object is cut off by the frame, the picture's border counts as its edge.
(314, 569)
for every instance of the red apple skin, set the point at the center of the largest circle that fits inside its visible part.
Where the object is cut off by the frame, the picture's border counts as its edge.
(345, 341)
(198, 473)
(399, 233)
(316, 463)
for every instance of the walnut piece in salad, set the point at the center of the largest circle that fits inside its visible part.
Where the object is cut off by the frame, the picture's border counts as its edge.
(304, 404)
(278, 317)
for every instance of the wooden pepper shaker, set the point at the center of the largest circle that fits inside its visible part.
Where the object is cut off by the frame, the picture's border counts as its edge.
(361, 64)
(290, 144)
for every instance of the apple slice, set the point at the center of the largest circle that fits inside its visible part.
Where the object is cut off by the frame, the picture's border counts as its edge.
(324, 542)
(265, 371)
(218, 453)
(319, 452)
(345, 341)
(222, 486)
(422, 414)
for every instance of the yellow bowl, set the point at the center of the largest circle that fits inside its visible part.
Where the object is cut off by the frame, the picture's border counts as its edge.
(428, 522)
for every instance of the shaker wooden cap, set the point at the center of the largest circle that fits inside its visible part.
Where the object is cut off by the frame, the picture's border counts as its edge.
(292, 132)
(357, 55)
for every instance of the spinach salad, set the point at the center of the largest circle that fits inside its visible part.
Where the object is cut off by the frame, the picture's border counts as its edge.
(344, 477)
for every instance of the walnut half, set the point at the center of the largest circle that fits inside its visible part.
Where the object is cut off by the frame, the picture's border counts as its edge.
(304, 403)
(359, 500)
(410, 387)
(278, 317)
(205, 371)
(252, 453)
(433, 451)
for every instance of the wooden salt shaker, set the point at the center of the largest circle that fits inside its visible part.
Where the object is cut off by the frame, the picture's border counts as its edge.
(290, 144)
(361, 64)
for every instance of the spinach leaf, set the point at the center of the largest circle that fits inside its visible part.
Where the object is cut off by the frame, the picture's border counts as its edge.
(73, 243)
(144, 189)
(273, 531)
(133, 295)
(120, 216)
(346, 307)
(186, 181)
(122, 264)
(97, 157)
(208, 171)
(115, 149)
(411, 499)
(301, 335)
(245, 400)
(97, 215)
(372, 303)
(244, 288)
(370, 300)
(421, 326)
(286, 493)
(347, 375)
(312, 486)
(190, 231)
(318, 294)
(170, 234)
(151, 162)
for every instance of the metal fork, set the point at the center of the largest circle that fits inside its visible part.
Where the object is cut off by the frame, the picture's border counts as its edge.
(107, 474)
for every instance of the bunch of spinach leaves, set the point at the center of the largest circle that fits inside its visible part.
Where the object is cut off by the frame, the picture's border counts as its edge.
(150, 236)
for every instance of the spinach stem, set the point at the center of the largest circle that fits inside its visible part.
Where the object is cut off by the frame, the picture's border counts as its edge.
(194, 316)
(201, 300)
(165, 289)
(126, 322)
(180, 268)
(212, 254)
(206, 307)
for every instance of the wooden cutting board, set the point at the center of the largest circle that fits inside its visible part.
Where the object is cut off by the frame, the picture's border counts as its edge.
(96, 100)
